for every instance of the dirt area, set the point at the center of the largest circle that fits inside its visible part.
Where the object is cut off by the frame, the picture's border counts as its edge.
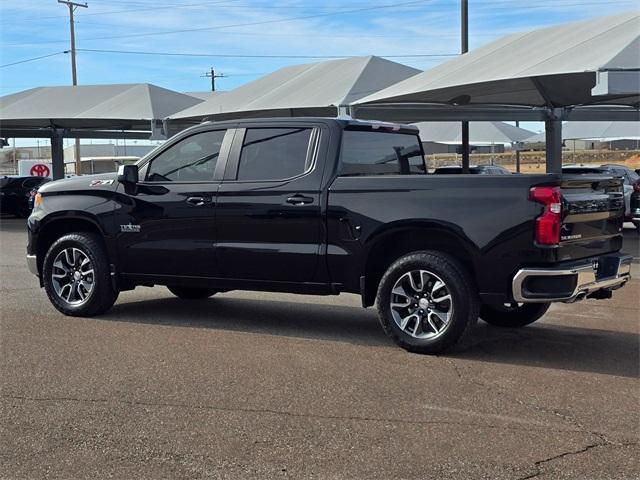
(534, 162)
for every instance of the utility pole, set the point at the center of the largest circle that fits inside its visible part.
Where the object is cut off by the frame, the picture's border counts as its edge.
(212, 74)
(74, 76)
(464, 48)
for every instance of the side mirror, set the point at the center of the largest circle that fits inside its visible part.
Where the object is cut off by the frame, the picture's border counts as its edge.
(128, 174)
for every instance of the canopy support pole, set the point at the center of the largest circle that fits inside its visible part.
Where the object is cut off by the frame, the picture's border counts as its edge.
(553, 137)
(57, 154)
(464, 48)
(465, 147)
(517, 147)
(345, 111)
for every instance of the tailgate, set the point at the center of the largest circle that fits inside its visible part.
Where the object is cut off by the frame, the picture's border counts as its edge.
(593, 210)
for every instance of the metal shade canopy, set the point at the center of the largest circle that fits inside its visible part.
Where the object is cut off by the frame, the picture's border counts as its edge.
(313, 89)
(559, 66)
(117, 107)
(595, 131)
(586, 70)
(479, 132)
(89, 111)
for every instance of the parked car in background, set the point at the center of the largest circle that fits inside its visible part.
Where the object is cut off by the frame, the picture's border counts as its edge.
(474, 169)
(631, 181)
(15, 194)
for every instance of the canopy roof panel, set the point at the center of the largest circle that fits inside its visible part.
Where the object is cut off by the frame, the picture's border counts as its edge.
(119, 106)
(310, 89)
(595, 131)
(479, 132)
(554, 66)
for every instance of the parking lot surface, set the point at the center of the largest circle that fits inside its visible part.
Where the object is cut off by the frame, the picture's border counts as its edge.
(247, 385)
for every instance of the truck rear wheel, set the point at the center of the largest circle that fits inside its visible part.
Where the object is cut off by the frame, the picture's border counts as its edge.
(426, 302)
(77, 277)
(192, 293)
(513, 316)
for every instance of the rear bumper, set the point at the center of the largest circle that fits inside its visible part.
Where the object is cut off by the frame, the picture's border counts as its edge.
(575, 281)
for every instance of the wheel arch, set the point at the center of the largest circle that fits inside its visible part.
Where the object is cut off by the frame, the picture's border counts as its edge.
(400, 239)
(55, 226)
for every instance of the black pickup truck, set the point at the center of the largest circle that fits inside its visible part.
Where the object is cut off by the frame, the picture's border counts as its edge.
(324, 206)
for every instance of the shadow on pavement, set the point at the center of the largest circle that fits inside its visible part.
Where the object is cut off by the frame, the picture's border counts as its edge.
(558, 347)
(314, 321)
(541, 345)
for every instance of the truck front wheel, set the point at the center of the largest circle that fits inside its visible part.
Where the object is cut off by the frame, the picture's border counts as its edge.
(426, 301)
(77, 277)
(513, 315)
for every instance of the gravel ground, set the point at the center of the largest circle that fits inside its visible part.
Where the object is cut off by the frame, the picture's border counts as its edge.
(253, 385)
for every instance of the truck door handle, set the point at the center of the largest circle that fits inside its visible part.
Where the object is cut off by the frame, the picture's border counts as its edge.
(198, 201)
(299, 200)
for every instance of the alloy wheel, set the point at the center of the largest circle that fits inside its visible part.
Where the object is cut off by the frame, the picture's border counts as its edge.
(421, 304)
(72, 276)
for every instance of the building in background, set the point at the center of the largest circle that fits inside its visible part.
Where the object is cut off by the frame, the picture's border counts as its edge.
(107, 150)
(104, 157)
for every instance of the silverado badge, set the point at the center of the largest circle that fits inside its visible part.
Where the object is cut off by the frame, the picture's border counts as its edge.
(130, 228)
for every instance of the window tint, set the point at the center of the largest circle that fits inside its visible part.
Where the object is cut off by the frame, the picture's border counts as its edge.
(274, 153)
(192, 159)
(380, 153)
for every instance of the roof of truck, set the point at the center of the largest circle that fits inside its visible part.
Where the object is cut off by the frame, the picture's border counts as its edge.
(343, 121)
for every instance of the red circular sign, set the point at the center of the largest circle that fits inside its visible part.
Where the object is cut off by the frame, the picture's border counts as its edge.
(40, 170)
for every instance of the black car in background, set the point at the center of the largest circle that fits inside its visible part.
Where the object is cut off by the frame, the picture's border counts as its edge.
(474, 169)
(16, 194)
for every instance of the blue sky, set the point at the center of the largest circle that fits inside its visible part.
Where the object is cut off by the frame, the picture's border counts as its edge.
(34, 28)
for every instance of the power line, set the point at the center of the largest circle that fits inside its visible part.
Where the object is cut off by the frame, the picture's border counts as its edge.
(247, 24)
(262, 22)
(508, 4)
(151, 7)
(225, 55)
(33, 59)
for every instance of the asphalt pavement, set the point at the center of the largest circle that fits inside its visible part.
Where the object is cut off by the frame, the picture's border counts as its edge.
(255, 385)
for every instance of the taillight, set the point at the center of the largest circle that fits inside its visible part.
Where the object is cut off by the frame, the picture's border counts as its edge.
(636, 187)
(549, 223)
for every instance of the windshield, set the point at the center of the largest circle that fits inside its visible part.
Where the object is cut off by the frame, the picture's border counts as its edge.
(142, 159)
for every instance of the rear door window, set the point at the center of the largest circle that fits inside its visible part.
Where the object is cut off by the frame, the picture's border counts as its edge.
(380, 153)
(275, 153)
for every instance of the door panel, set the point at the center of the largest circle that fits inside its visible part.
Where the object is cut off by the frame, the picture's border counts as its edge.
(167, 226)
(271, 229)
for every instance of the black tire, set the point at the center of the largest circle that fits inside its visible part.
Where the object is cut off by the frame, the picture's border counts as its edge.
(463, 301)
(102, 295)
(513, 316)
(192, 293)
